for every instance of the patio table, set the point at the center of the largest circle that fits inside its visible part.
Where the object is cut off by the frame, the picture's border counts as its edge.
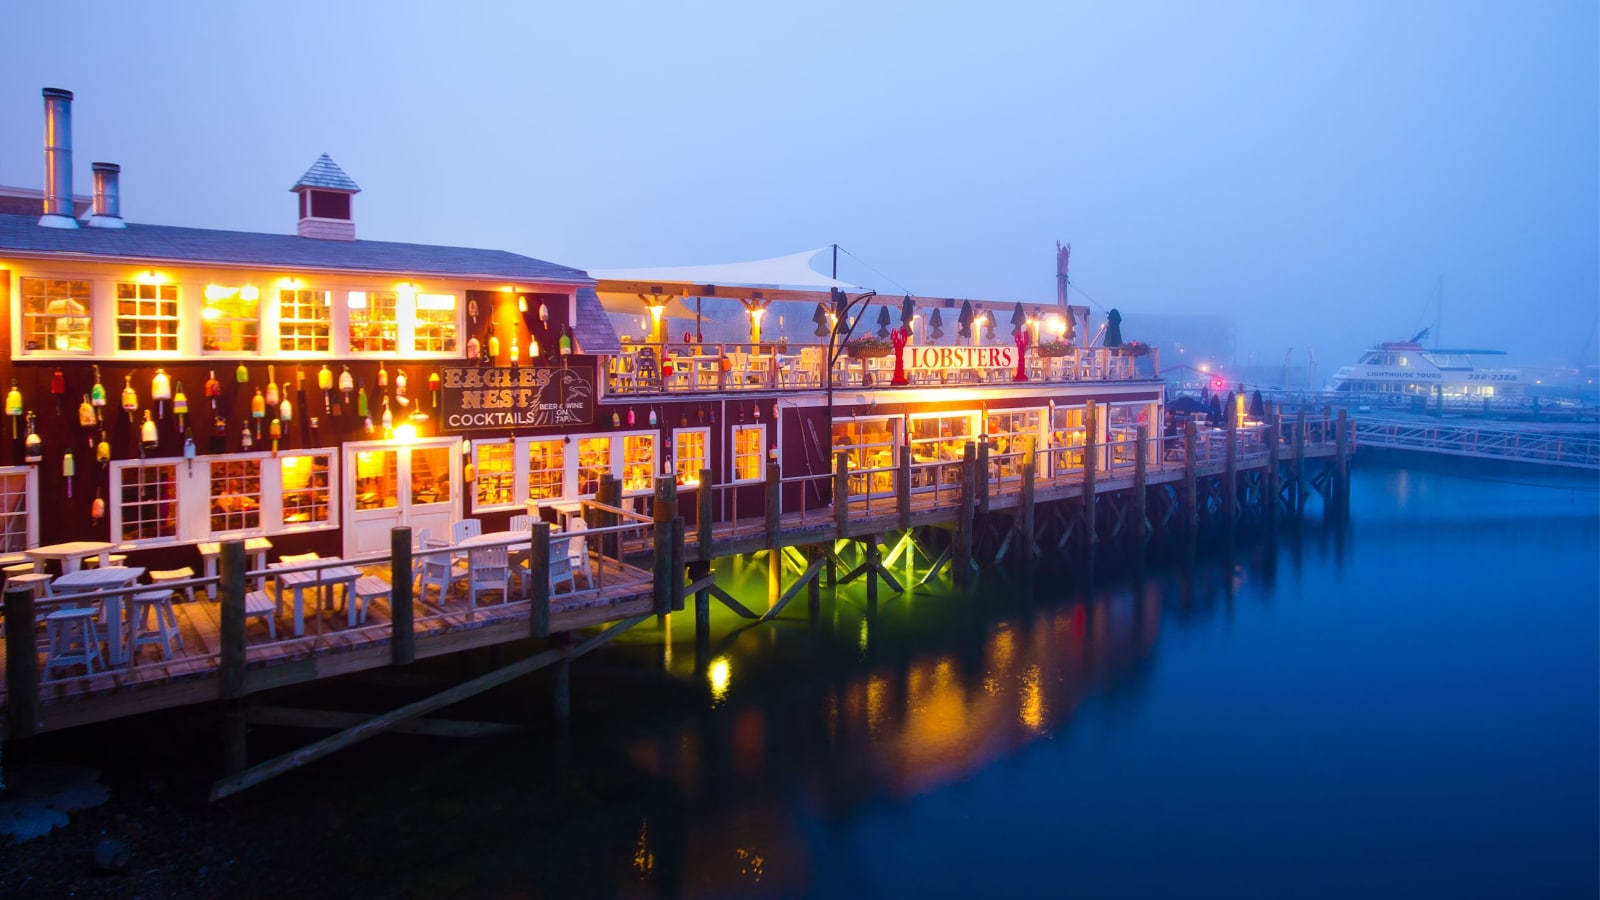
(87, 580)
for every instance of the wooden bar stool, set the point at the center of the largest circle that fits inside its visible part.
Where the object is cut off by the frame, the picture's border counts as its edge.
(368, 589)
(258, 604)
(163, 634)
(159, 576)
(74, 640)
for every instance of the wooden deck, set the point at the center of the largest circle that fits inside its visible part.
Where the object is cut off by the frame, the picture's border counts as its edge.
(329, 648)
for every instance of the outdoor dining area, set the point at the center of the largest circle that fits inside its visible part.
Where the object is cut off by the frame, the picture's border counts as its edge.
(93, 618)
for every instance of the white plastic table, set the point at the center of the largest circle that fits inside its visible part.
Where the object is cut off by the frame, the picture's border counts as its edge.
(320, 579)
(256, 547)
(72, 553)
(85, 580)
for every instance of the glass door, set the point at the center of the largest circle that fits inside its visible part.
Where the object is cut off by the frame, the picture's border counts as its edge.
(393, 483)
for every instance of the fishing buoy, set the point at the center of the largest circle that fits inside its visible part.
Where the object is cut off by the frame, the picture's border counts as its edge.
(97, 509)
(86, 413)
(32, 446)
(275, 431)
(474, 349)
(245, 440)
(213, 389)
(241, 374)
(130, 398)
(97, 394)
(102, 450)
(161, 392)
(58, 386)
(69, 468)
(347, 385)
(180, 405)
(272, 386)
(286, 410)
(148, 439)
(258, 410)
(14, 406)
(433, 387)
(325, 382)
(383, 377)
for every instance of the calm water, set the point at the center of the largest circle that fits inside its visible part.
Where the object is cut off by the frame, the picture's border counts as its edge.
(1406, 708)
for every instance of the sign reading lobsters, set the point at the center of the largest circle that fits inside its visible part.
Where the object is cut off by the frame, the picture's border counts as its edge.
(487, 397)
(919, 358)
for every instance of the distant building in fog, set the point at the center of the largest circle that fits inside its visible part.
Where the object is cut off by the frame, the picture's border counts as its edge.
(1183, 339)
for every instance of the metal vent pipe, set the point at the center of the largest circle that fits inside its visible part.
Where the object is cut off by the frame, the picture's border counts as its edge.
(107, 208)
(58, 159)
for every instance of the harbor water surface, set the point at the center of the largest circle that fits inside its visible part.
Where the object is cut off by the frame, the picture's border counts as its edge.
(1404, 706)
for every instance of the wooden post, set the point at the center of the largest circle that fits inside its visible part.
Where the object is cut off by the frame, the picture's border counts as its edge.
(1025, 515)
(841, 493)
(874, 560)
(1342, 445)
(1300, 461)
(814, 586)
(1091, 454)
(1141, 519)
(1191, 486)
(774, 526)
(1274, 452)
(230, 668)
(539, 580)
(1230, 479)
(666, 505)
(610, 493)
(679, 560)
(981, 475)
(706, 498)
(961, 545)
(902, 487)
(22, 663)
(402, 634)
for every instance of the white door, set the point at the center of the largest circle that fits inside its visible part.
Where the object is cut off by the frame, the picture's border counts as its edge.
(390, 483)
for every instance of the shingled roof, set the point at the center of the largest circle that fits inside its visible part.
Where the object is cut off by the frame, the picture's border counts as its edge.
(245, 249)
(325, 173)
(593, 329)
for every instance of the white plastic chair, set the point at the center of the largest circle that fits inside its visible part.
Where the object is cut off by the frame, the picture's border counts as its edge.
(488, 569)
(438, 569)
(578, 554)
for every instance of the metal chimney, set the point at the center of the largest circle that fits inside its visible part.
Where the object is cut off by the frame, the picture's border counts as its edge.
(107, 209)
(57, 160)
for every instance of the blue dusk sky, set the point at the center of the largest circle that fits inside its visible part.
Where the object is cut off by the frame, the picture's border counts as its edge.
(1314, 170)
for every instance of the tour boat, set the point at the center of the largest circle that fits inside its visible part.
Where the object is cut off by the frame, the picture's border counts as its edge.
(1398, 369)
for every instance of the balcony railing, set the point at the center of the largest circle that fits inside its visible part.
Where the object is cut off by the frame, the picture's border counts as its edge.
(717, 368)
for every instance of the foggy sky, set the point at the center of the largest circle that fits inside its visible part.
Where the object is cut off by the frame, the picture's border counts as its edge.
(1315, 170)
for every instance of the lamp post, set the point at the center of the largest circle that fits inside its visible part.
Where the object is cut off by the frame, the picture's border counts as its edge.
(842, 304)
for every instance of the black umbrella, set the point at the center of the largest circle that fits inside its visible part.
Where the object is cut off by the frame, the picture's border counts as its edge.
(821, 318)
(883, 322)
(1205, 393)
(1258, 407)
(1113, 329)
(1216, 406)
(965, 319)
(935, 325)
(1019, 319)
(908, 310)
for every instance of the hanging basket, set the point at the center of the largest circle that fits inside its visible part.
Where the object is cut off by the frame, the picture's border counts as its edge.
(1053, 349)
(867, 352)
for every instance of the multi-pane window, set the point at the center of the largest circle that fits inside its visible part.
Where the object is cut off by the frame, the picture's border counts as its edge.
(430, 474)
(871, 447)
(147, 316)
(749, 451)
(594, 460)
(148, 501)
(235, 495)
(638, 462)
(306, 494)
(55, 314)
(1068, 438)
(230, 319)
(13, 511)
(374, 321)
(1012, 435)
(304, 325)
(689, 455)
(546, 469)
(497, 472)
(435, 328)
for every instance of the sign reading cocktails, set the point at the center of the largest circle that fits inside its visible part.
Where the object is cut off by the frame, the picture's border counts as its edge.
(476, 397)
(923, 359)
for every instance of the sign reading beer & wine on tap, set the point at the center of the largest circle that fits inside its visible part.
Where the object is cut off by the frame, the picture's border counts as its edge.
(516, 397)
(923, 359)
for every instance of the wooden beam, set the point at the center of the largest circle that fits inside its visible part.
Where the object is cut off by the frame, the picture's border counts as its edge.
(729, 601)
(705, 499)
(337, 721)
(809, 576)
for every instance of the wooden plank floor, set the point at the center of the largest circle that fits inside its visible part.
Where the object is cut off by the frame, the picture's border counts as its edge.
(441, 625)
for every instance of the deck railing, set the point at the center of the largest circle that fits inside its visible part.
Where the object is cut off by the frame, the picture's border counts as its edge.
(1519, 445)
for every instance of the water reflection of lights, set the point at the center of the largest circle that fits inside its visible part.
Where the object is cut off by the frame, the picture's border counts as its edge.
(643, 858)
(1032, 710)
(718, 673)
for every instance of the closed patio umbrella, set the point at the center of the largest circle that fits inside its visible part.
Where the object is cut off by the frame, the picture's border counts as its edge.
(1258, 406)
(821, 318)
(935, 325)
(883, 322)
(965, 319)
(908, 311)
(1113, 329)
(1019, 319)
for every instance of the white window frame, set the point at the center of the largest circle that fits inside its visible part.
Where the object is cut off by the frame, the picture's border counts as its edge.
(619, 460)
(194, 497)
(30, 501)
(19, 321)
(733, 453)
(517, 500)
(237, 294)
(279, 334)
(176, 319)
(569, 468)
(706, 459)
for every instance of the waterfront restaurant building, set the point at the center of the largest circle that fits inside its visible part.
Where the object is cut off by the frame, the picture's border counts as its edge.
(168, 386)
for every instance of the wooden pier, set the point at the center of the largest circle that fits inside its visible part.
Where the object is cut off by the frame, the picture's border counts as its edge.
(987, 509)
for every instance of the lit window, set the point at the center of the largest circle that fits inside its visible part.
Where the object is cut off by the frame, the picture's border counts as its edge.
(377, 480)
(55, 314)
(147, 317)
(147, 501)
(235, 495)
(230, 320)
(689, 455)
(546, 469)
(430, 474)
(435, 329)
(594, 460)
(303, 321)
(749, 451)
(306, 498)
(374, 322)
(638, 462)
(497, 472)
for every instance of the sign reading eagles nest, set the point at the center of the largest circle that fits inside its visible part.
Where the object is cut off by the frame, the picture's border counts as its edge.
(521, 397)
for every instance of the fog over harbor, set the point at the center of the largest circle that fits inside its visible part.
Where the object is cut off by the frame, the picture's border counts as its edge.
(1326, 177)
